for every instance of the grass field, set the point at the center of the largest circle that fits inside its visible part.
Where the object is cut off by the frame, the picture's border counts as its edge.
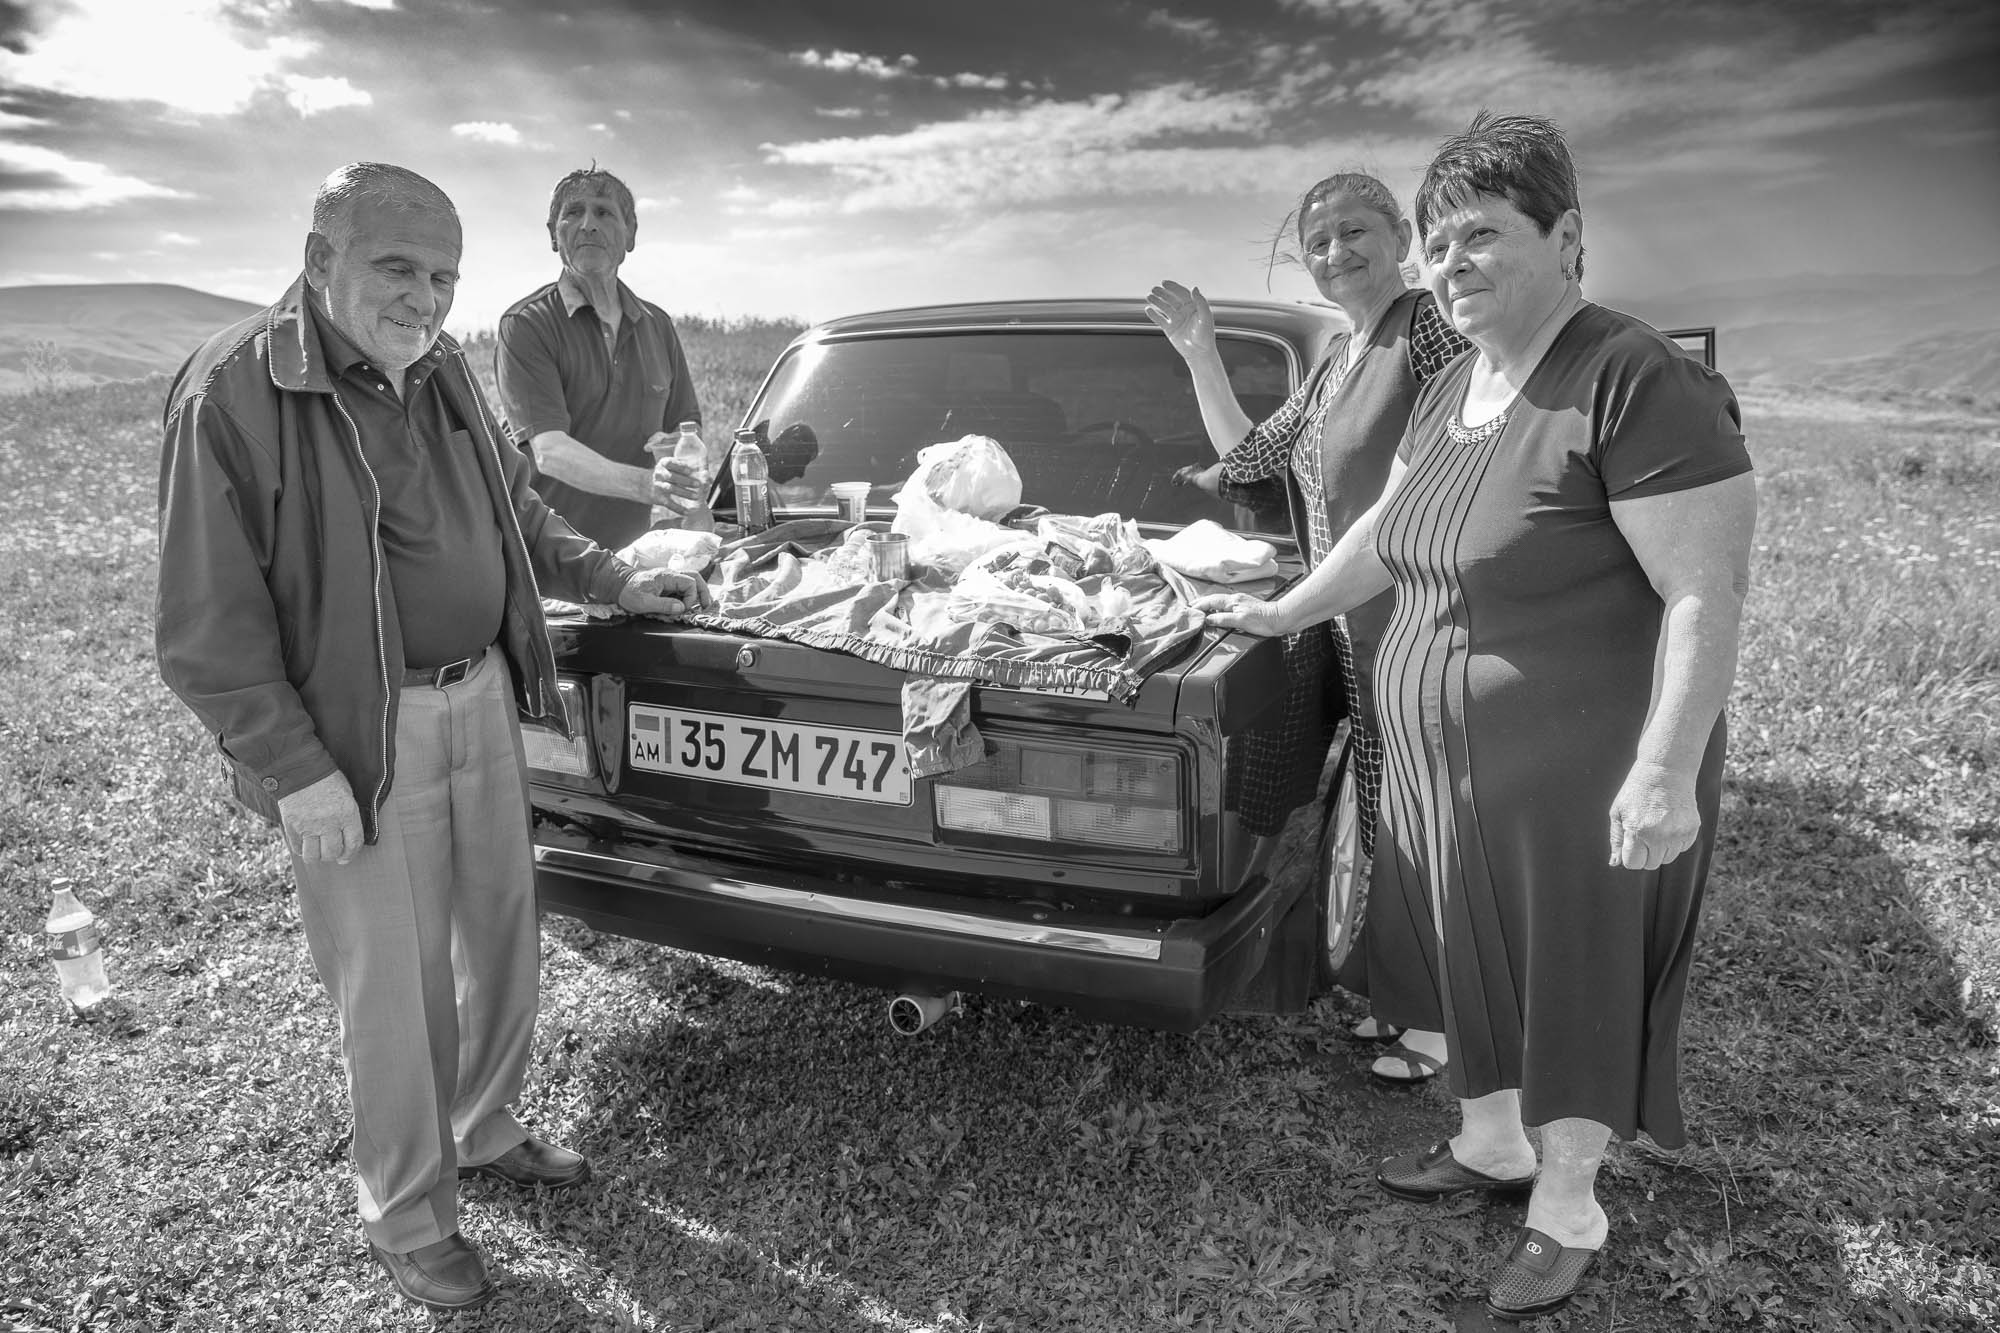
(771, 1157)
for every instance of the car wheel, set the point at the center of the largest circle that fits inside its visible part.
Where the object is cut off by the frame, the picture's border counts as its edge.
(1343, 869)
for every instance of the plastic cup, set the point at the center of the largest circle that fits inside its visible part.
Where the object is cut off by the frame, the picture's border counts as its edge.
(851, 497)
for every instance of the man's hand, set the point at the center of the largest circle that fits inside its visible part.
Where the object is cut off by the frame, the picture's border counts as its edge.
(322, 822)
(663, 593)
(676, 483)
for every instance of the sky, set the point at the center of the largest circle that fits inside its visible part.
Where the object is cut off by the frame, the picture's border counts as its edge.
(805, 159)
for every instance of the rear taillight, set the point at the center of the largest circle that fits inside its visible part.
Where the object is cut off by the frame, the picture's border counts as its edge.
(1091, 796)
(545, 747)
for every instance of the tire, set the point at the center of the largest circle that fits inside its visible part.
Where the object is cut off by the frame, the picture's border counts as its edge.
(1343, 869)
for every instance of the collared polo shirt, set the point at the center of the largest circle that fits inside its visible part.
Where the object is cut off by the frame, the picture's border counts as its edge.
(558, 371)
(440, 539)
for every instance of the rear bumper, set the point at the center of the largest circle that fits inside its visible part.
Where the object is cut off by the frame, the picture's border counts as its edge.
(1173, 975)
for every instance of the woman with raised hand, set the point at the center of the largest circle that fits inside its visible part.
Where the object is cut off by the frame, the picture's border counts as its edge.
(1335, 440)
(1567, 530)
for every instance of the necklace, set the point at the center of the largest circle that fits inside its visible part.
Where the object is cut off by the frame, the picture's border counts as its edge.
(1462, 435)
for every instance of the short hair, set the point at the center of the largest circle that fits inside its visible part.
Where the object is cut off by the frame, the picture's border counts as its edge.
(376, 183)
(1378, 198)
(1522, 159)
(594, 179)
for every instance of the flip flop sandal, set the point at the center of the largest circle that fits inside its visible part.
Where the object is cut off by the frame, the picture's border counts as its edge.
(1435, 1174)
(1416, 1065)
(1375, 1030)
(1540, 1276)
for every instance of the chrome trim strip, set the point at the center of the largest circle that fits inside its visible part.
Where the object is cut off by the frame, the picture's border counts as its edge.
(1140, 326)
(956, 923)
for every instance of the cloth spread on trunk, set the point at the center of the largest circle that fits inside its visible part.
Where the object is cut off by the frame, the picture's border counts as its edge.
(1079, 605)
(1062, 610)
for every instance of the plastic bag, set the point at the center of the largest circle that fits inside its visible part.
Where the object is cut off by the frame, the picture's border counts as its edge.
(946, 540)
(677, 549)
(1205, 549)
(972, 475)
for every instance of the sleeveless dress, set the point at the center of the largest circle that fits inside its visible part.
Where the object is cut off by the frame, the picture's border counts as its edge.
(1334, 441)
(1513, 682)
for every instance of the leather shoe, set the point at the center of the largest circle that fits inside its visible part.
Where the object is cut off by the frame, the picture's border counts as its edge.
(1429, 1176)
(532, 1162)
(445, 1275)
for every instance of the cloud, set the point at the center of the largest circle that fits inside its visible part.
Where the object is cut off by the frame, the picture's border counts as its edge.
(839, 112)
(488, 131)
(902, 67)
(186, 54)
(310, 96)
(853, 62)
(1423, 20)
(178, 238)
(1204, 31)
(41, 180)
(991, 82)
(1176, 140)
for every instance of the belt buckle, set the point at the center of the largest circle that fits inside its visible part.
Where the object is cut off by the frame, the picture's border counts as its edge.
(451, 673)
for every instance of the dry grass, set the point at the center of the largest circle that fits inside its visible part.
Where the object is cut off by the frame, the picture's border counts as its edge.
(771, 1158)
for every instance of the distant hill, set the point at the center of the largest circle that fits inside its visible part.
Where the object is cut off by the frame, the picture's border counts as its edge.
(1930, 334)
(108, 331)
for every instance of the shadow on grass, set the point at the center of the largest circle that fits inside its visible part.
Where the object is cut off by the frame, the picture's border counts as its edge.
(1845, 1147)
(1012, 1168)
(780, 1150)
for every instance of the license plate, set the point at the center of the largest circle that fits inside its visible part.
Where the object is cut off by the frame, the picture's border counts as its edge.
(841, 762)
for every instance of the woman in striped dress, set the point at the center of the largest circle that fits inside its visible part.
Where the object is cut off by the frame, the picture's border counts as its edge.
(1568, 531)
(1334, 440)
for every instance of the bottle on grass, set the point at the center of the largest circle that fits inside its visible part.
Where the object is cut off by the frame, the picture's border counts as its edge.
(74, 947)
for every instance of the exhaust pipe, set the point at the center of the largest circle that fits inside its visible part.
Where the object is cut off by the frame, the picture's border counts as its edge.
(911, 1014)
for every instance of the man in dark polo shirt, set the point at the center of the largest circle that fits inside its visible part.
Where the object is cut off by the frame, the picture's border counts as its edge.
(351, 561)
(589, 373)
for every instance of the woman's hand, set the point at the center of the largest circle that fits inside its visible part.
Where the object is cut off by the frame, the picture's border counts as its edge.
(1252, 615)
(1183, 315)
(1201, 478)
(1653, 818)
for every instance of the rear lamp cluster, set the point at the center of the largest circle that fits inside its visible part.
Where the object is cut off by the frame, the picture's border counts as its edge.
(548, 751)
(1043, 793)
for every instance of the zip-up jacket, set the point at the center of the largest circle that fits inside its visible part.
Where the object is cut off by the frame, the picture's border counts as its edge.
(275, 620)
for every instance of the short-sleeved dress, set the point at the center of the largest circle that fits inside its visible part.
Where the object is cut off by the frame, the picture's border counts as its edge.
(1513, 682)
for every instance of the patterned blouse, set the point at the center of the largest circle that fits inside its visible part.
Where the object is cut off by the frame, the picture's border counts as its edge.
(1289, 437)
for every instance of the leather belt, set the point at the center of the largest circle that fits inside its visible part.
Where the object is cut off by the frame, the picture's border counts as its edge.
(442, 676)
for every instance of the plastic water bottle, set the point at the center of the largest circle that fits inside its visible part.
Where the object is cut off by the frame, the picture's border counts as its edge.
(662, 447)
(752, 474)
(687, 449)
(74, 946)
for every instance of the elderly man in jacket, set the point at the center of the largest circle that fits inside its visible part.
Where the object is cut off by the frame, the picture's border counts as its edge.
(351, 560)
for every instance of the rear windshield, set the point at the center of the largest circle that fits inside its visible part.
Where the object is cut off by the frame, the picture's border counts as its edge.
(1095, 422)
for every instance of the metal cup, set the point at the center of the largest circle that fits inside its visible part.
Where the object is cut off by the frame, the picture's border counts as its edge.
(889, 556)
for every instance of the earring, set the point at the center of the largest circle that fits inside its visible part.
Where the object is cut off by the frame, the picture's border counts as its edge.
(1569, 271)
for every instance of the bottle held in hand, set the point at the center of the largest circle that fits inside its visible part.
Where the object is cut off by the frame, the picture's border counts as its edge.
(691, 452)
(74, 947)
(751, 473)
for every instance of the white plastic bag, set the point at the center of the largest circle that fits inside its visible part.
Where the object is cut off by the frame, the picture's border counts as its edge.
(943, 539)
(1205, 549)
(972, 475)
(677, 549)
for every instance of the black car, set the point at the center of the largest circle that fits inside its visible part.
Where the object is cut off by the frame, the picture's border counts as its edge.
(747, 796)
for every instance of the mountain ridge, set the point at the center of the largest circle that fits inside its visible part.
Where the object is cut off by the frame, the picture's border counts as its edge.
(1930, 334)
